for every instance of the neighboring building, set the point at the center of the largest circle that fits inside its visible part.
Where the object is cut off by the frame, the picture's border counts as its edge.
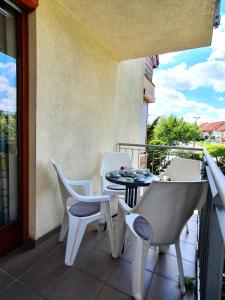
(221, 132)
(211, 129)
(151, 62)
(202, 125)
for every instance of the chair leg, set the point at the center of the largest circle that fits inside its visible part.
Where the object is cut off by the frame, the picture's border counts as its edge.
(187, 228)
(120, 233)
(139, 257)
(108, 219)
(64, 227)
(77, 228)
(180, 267)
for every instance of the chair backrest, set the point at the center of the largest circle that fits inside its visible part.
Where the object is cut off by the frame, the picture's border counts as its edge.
(65, 189)
(113, 161)
(182, 169)
(168, 206)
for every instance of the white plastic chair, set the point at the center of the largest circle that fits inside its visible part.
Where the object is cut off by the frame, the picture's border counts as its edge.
(183, 169)
(157, 220)
(112, 161)
(84, 210)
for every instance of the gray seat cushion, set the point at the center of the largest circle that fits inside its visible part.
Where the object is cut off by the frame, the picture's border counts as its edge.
(84, 209)
(142, 228)
(116, 187)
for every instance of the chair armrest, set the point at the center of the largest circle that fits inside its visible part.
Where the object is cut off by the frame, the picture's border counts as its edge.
(125, 208)
(94, 198)
(86, 184)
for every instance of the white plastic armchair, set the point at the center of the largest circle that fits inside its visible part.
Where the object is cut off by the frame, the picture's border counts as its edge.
(157, 220)
(183, 169)
(84, 210)
(112, 161)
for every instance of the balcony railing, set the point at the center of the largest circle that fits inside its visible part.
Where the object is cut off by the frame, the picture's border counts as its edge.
(211, 231)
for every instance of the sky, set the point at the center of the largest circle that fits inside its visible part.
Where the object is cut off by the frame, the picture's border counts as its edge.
(7, 83)
(191, 83)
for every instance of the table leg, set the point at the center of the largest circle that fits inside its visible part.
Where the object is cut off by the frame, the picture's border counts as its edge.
(135, 196)
(131, 196)
(126, 195)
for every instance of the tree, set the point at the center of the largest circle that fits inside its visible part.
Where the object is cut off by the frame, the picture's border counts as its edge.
(150, 129)
(173, 130)
(156, 157)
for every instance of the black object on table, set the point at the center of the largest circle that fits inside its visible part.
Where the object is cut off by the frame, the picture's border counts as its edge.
(131, 184)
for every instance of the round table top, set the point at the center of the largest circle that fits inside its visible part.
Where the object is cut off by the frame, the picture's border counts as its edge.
(131, 181)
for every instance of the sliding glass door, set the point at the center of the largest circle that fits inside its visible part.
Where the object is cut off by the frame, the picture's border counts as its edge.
(10, 200)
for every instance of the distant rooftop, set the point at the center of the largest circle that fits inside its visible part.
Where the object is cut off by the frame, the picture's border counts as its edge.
(211, 126)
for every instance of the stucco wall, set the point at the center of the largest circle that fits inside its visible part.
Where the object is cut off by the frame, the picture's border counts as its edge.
(86, 102)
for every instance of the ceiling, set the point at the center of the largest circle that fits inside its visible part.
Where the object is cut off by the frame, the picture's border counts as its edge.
(137, 28)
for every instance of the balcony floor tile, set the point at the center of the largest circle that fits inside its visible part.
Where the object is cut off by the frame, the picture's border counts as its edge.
(121, 278)
(17, 291)
(164, 289)
(41, 274)
(76, 285)
(167, 267)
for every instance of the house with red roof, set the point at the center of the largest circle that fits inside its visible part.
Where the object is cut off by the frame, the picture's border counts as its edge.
(202, 125)
(221, 132)
(213, 129)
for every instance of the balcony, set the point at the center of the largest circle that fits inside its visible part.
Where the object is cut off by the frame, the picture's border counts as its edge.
(40, 273)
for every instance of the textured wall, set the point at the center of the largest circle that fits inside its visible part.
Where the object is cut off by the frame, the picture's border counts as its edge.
(137, 28)
(86, 102)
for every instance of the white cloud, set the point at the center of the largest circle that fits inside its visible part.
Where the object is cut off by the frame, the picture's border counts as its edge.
(7, 96)
(204, 74)
(170, 101)
(218, 41)
(167, 58)
(8, 69)
(171, 82)
(8, 105)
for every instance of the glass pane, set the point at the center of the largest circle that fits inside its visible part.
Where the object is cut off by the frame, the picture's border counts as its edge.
(8, 118)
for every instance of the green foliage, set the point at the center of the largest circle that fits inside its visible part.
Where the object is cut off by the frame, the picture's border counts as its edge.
(173, 130)
(190, 282)
(217, 151)
(150, 129)
(187, 154)
(8, 130)
(156, 157)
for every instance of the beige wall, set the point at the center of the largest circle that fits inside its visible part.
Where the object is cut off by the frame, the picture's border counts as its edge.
(83, 104)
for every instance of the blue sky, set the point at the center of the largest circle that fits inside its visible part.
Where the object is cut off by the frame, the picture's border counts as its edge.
(7, 83)
(192, 83)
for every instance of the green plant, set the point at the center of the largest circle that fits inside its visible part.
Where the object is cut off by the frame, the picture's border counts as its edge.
(190, 282)
(217, 151)
(187, 154)
(156, 157)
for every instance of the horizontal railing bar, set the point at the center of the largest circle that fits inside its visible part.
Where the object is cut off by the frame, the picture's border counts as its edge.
(159, 146)
(211, 182)
(217, 175)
